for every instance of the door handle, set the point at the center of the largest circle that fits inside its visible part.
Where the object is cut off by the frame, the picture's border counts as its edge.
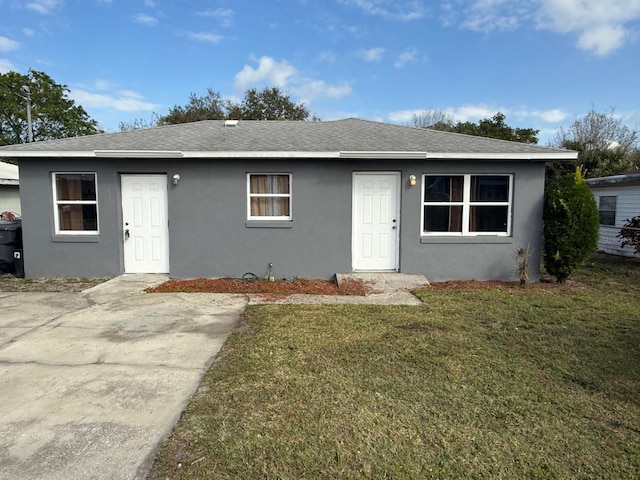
(126, 234)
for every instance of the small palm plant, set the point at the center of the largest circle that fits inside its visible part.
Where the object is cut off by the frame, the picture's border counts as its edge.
(522, 256)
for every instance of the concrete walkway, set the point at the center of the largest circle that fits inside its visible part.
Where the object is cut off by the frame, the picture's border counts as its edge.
(91, 383)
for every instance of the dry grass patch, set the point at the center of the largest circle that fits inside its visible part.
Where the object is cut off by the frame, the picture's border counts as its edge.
(9, 283)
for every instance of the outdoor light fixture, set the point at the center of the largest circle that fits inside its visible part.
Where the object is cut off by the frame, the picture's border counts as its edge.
(412, 180)
(176, 178)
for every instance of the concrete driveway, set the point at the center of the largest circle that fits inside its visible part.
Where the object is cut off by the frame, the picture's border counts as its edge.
(92, 382)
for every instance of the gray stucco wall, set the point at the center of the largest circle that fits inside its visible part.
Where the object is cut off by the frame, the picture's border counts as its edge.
(210, 237)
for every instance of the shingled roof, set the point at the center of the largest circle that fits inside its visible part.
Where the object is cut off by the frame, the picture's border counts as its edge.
(348, 138)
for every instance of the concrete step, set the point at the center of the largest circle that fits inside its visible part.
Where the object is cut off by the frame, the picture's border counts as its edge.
(387, 281)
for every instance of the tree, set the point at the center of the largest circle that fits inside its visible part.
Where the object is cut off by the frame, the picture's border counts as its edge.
(268, 104)
(53, 114)
(630, 234)
(571, 224)
(208, 107)
(606, 146)
(139, 123)
(271, 104)
(494, 127)
(433, 118)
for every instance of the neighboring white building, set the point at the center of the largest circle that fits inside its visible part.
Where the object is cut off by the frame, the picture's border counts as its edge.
(618, 199)
(9, 188)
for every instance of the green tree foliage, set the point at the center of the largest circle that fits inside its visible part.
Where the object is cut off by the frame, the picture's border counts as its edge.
(271, 104)
(268, 104)
(494, 127)
(571, 224)
(630, 234)
(53, 114)
(606, 146)
(208, 107)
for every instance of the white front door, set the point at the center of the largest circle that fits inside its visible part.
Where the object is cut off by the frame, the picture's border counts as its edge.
(145, 223)
(375, 221)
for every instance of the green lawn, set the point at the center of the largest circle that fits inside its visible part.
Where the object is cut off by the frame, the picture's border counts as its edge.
(542, 382)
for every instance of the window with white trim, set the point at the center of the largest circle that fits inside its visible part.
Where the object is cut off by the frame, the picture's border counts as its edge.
(466, 205)
(75, 203)
(269, 196)
(607, 209)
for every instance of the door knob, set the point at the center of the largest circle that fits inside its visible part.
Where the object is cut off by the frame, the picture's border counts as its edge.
(126, 234)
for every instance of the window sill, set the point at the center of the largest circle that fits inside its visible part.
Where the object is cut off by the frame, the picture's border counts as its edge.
(75, 238)
(268, 224)
(486, 239)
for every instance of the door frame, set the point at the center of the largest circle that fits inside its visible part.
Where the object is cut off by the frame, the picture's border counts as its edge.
(166, 212)
(398, 184)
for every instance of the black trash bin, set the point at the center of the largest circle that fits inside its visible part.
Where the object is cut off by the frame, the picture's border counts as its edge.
(10, 243)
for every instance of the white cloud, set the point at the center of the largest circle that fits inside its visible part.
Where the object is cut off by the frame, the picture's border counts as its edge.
(465, 113)
(6, 66)
(473, 113)
(310, 90)
(371, 54)
(284, 75)
(328, 57)
(43, 6)
(205, 37)
(406, 57)
(601, 26)
(269, 71)
(403, 10)
(149, 3)
(121, 100)
(223, 15)
(404, 116)
(145, 19)
(29, 32)
(551, 116)
(6, 44)
(487, 15)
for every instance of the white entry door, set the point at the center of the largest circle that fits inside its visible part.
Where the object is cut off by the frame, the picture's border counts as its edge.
(145, 223)
(375, 221)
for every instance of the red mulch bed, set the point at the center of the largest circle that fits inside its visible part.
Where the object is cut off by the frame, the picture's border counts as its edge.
(279, 287)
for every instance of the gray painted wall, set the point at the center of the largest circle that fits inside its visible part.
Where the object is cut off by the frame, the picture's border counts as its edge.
(210, 237)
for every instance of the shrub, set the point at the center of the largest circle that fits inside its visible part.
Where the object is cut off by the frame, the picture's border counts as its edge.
(631, 233)
(571, 224)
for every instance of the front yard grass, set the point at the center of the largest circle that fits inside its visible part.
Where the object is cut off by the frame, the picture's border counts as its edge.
(477, 383)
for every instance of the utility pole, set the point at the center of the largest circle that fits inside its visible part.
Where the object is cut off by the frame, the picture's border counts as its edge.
(27, 92)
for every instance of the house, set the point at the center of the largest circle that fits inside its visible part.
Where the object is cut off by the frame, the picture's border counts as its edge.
(9, 188)
(618, 199)
(305, 199)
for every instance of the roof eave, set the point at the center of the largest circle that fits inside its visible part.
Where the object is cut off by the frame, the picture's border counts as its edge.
(546, 156)
(382, 155)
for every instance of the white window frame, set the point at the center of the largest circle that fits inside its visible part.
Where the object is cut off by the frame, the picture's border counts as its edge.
(466, 205)
(56, 203)
(269, 195)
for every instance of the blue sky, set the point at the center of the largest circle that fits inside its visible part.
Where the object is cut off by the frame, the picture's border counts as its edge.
(544, 63)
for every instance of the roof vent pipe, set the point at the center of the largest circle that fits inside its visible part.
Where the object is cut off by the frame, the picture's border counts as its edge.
(231, 123)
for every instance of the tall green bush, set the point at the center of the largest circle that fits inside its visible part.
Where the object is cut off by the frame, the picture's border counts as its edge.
(571, 224)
